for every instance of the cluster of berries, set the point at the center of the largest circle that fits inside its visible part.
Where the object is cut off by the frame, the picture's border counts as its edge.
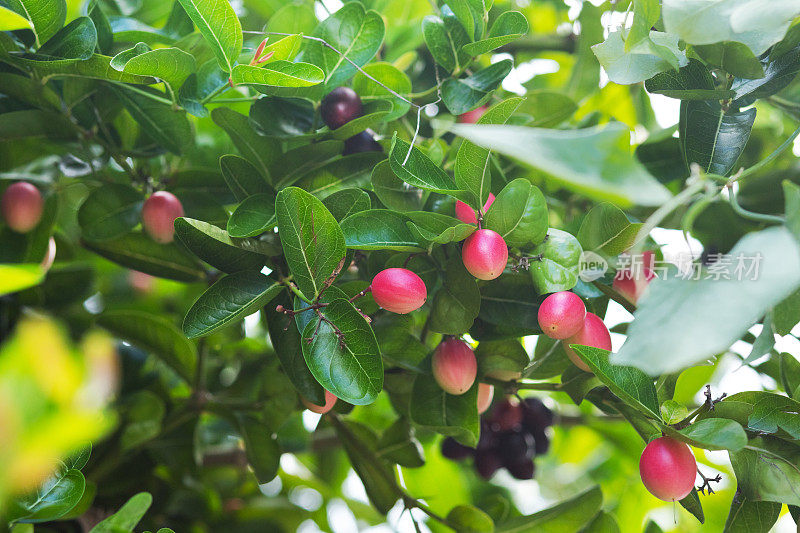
(512, 434)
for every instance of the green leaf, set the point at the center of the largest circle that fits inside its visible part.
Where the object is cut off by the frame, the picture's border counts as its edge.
(519, 214)
(282, 117)
(171, 65)
(353, 31)
(220, 26)
(779, 71)
(732, 57)
(630, 384)
(645, 15)
(379, 229)
(253, 217)
(448, 414)
(657, 53)
(261, 446)
(259, 150)
(287, 343)
(313, 242)
(748, 516)
(154, 334)
(228, 301)
(56, 497)
(303, 160)
(399, 445)
(712, 434)
(437, 228)
(692, 504)
(462, 95)
(346, 362)
(127, 517)
(10, 21)
(77, 40)
(570, 515)
(139, 252)
(681, 322)
(214, 246)
(30, 91)
(508, 301)
(469, 519)
(45, 16)
(391, 77)
(243, 179)
(439, 42)
(691, 82)
(767, 470)
(374, 113)
(673, 412)
(96, 67)
(456, 304)
(17, 277)
(607, 230)
(393, 192)
(109, 212)
(419, 170)
(557, 268)
(347, 202)
(791, 192)
(168, 127)
(32, 123)
(606, 169)
(547, 109)
(472, 168)
(502, 359)
(508, 27)
(279, 73)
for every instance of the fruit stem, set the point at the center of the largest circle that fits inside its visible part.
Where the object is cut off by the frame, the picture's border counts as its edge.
(707, 482)
(513, 386)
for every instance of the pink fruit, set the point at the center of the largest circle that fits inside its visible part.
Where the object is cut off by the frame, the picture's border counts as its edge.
(631, 283)
(467, 215)
(593, 333)
(141, 282)
(454, 366)
(158, 216)
(50, 255)
(22, 206)
(561, 315)
(668, 469)
(471, 117)
(485, 394)
(330, 401)
(485, 254)
(399, 290)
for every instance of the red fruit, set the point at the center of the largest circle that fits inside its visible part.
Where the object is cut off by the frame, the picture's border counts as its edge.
(485, 394)
(593, 333)
(471, 117)
(467, 215)
(330, 401)
(668, 469)
(22, 206)
(399, 290)
(454, 366)
(485, 254)
(340, 106)
(50, 255)
(631, 283)
(158, 216)
(561, 315)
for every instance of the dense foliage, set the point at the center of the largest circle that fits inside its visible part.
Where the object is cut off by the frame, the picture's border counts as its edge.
(221, 218)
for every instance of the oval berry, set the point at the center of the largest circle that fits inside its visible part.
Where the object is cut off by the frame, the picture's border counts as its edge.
(668, 469)
(561, 315)
(340, 106)
(158, 216)
(471, 117)
(632, 284)
(485, 254)
(330, 401)
(467, 215)
(485, 394)
(399, 290)
(22, 206)
(593, 333)
(454, 366)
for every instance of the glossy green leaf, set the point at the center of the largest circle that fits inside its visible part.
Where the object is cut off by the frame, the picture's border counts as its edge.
(501, 359)
(128, 515)
(109, 212)
(16, 277)
(96, 67)
(282, 117)
(511, 301)
(56, 497)
(392, 191)
(448, 414)
(243, 179)
(456, 304)
(303, 160)
(751, 516)
(30, 91)
(261, 151)
(340, 174)
(168, 127)
(214, 246)
(437, 228)
(228, 301)
(346, 202)
(261, 446)
(220, 26)
(557, 268)
(657, 53)
(519, 214)
(312, 241)
(399, 445)
(379, 478)
(253, 217)
(374, 113)
(606, 169)
(692, 82)
(419, 170)
(171, 65)
(766, 472)
(462, 95)
(9, 21)
(77, 40)
(379, 229)
(278, 74)
(390, 76)
(570, 515)
(342, 353)
(45, 16)
(469, 519)
(508, 27)
(154, 334)
(779, 71)
(712, 434)
(607, 230)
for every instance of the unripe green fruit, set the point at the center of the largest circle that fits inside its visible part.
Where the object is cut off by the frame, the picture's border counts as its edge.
(593, 333)
(158, 216)
(454, 366)
(485, 254)
(668, 469)
(22, 206)
(467, 215)
(562, 315)
(398, 290)
(330, 401)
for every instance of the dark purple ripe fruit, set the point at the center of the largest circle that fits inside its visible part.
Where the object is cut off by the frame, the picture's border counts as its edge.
(452, 449)
(487, 462)
(506, 415)
(536, 414)
(361, 142)
(340, 106)
(521, 470)
(516, 446)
